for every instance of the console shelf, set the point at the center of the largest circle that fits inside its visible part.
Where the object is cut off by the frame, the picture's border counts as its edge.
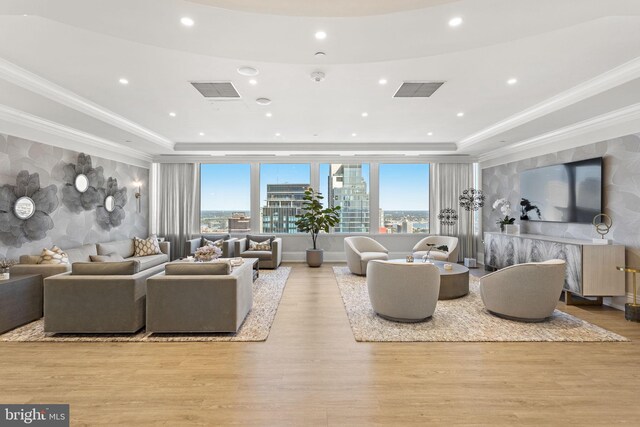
(591, 268)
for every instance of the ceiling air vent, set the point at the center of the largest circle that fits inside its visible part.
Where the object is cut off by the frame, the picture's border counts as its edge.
(417, 89)
(216, 89)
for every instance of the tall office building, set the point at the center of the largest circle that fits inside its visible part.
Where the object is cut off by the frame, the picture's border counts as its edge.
(239, 223)
(348, 189)
(284, 202)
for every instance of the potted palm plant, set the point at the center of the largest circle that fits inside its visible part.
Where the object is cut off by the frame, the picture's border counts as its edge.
(314, 219)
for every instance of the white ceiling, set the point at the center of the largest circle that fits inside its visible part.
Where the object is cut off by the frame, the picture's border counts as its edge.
(572, 59)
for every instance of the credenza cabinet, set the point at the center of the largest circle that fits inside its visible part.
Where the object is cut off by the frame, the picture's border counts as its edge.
(591, 268)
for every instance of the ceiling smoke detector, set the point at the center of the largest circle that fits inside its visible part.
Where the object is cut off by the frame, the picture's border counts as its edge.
(317, 76)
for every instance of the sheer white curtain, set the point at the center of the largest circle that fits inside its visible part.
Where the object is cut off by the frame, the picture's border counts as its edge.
(448, 181)
(175, 203)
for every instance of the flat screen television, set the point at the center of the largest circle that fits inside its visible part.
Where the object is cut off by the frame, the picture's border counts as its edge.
(570, 192)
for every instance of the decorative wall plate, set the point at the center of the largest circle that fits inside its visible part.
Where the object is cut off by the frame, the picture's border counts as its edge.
(80, 192)
(110, 212)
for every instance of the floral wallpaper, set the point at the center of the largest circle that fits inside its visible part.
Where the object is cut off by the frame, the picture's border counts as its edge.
(75, 220)
(621, 181)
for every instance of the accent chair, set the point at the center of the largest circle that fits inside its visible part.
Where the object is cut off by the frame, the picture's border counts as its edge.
(403, 292)
(526, 292)
(360, 250)
(421, 248)
(269, 259)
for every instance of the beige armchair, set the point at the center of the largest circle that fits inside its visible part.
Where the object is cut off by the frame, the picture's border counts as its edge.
(268, 259)
(360, 250)
(403, 292)
(421, 248)
(527, 292)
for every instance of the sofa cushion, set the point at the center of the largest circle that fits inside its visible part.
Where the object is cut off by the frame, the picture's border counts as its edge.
(55, 255)
(214, 237)
(123, 268)
(29, 259)
(260, 246)
(147, 262)
(260, 238)
(217, 243)
(368, 256)
(261, 255)
(114, 257)
(146, 247)
(197, 268)
(82, 253)
(124, 248)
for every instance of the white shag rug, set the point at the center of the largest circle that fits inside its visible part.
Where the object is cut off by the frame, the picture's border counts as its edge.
(267, 292)
(458, 320)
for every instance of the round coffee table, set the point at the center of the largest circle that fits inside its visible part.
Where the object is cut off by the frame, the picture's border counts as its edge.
(454, 283)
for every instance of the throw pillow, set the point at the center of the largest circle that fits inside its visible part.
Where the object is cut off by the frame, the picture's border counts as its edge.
(112, 257)
(259, 246)
(146, 247)
(55, 255)
(218, 243)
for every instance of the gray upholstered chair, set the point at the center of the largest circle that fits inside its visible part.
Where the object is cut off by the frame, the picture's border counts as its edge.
(360, 250)
(403, 292)
(421, 248)
(199, 297)
(97, 297)
(527, 292)
(192, 245)
(268, 259)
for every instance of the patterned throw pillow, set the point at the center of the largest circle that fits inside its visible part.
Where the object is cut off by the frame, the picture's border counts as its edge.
(259, 246)
(217, 243)
(112, 257)
(146, 247)
(55, 255)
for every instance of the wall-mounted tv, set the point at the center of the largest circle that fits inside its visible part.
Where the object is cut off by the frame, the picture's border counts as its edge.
(570, 192)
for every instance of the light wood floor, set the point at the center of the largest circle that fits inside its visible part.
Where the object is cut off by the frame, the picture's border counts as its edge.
(311, 372)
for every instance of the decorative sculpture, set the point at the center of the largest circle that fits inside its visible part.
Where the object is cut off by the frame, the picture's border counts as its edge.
(82, 182)
(110, 213)
(471, 199)
(25, 210)
(602, 227)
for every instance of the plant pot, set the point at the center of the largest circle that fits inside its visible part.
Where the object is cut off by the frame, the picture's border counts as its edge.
(315, 257)
(4, 274)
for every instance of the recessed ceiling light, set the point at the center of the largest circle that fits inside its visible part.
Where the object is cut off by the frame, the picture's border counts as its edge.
(460, 114)
(277, 133)
(201, 134)
(263, 101)
(429, 133)
(25, 15)
(172, 114)
(248, 71)
(454, 22)
(382, 81)
(321, 35)
(186, 21)
(354, 134)
(268, 114)
(512, 81)
(320, 54)
(365, 114)
(123, 81)
(253, 82)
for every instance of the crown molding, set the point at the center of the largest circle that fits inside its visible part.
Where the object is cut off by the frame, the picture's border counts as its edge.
(609, 125)
(221, 148)
(36, 84)
(312, 158)
(28, 126)
(608, 80)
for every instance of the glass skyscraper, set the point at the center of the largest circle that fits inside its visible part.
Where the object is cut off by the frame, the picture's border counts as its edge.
(284, 202)
(348, 189)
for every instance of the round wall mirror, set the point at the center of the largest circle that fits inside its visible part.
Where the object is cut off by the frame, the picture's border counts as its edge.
(109, 203)
(24, 207)
(82, 183)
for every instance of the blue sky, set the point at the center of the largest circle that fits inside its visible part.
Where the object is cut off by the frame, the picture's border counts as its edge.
(228, 186)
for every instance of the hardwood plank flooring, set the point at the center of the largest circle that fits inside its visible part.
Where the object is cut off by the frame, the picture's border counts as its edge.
(312, 372)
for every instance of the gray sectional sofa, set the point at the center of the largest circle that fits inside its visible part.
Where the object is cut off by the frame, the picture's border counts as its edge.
(199, 297)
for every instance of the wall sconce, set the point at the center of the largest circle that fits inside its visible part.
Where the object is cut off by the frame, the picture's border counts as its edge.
(138, 194)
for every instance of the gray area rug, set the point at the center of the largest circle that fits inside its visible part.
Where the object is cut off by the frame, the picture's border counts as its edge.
(267, 292)
(462, 319)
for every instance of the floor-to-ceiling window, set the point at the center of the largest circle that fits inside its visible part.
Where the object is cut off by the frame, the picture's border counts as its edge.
(347, 186)
(404, 198)
(282, 187)
(225, 198)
